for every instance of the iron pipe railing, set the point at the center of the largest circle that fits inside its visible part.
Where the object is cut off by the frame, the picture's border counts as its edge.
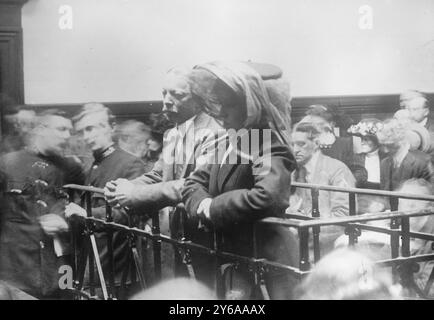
(302, 223)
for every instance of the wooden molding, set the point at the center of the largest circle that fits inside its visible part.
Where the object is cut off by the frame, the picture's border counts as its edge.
(356, 106)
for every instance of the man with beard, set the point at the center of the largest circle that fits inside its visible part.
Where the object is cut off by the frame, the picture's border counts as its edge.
(33, 235)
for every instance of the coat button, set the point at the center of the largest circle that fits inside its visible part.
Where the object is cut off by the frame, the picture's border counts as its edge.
(41, 243)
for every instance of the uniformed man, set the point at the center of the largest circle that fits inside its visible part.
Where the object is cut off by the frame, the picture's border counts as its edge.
(95, 124)
(33, 231)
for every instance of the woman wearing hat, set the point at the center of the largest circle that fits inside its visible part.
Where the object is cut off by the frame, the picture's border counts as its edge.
(233, 196)
(366, 165)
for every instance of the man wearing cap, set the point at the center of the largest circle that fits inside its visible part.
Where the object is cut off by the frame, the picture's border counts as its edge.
(96, 125)
(33, 234)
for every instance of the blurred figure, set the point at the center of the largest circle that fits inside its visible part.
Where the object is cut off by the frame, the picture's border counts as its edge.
(18, 127)
(176, 289)
(8, 292)
(415, 133)
(416, 104)
(401, 163)
(377, 245)
(423, 224)
(366, 165)
(133, 137)
(345, 274)
(159, 125)
(331, 144)
(33, 237)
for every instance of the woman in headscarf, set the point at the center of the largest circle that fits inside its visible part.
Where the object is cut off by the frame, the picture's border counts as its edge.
(246, 184)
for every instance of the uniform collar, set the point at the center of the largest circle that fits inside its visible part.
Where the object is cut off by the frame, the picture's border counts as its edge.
(102, 154)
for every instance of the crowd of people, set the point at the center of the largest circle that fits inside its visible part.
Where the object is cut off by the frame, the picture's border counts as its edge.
(227, 159)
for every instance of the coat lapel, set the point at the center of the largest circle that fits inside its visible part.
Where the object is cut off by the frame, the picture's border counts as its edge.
(406, 166)
(224, 174)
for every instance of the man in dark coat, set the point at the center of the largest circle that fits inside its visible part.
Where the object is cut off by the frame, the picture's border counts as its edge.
(33, 229)
(95, 124)
(416, 104)
(401, 163)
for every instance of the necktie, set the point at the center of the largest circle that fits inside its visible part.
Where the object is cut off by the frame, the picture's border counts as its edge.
(301, 174)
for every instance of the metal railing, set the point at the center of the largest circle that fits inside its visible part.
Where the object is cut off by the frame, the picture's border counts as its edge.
(402, 266)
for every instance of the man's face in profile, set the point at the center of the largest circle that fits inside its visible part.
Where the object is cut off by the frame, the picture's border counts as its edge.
(178, 103)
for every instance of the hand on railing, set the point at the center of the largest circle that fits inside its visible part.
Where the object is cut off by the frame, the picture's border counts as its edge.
(203, 212)
(119, 192)
(74, 209)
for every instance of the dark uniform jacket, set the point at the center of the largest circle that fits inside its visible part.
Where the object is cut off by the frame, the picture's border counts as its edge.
(27, 257)
(112, 164)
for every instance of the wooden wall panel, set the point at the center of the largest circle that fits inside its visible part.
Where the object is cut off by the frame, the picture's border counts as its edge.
(380, 106)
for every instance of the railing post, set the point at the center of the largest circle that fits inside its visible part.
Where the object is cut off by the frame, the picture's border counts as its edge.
(218, 278)
(352, 232)
(156, 245)
(88, 201)
(109, 232)
(303, 234)
(352, 203)
(394, 237)
(259, 269)
(406, 270)
(316, 230)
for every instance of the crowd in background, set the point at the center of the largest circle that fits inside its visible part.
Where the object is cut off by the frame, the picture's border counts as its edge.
(129, 160)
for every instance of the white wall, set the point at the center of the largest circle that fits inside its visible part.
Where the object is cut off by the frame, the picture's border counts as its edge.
(118, 50)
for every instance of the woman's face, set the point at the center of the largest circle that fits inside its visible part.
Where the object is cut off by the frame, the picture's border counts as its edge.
(233, 112)
(368, 145)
